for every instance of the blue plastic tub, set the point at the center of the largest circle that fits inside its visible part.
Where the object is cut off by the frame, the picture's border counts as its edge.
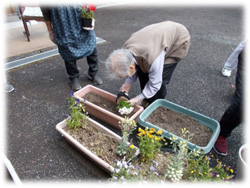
(210, 123)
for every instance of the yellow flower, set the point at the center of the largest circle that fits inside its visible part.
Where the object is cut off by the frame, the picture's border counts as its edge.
(149, 135)
(151, 130)
(159, 132)
(142, 131)
(231, 170)
(157, 138)
(219, 161)
(132, 146)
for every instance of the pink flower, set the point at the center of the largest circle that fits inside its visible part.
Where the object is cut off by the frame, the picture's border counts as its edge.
(92, 7)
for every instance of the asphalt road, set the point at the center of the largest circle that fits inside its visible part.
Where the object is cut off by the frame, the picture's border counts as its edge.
(39, 153)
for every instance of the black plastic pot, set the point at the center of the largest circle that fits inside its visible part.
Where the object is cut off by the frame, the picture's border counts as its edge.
(86, 22)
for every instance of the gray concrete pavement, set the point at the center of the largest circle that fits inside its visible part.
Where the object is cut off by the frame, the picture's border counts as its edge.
(39, 101)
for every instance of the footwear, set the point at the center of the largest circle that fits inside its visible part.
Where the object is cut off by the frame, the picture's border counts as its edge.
(95, 79)
(220, 146)
(8, 88)
(75, 85)
(225, 72)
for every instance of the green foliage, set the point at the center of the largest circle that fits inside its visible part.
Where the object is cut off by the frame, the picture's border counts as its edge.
(125, 104)
(194, 165)
(150, 143)
(127, 126)
(175, 168)
(77, 116)
(185, 165)
(199, 169)
(87, 13)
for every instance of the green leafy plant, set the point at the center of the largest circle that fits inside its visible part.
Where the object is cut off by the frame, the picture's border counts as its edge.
(125, 104)
(199, 169)
(127, 127)
(194, 165)
(150, 143)
(176, 167)
(184, 164)
(77, 116)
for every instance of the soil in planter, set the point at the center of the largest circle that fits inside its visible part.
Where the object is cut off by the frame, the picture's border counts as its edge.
(173, 122)
(105, 104)
(101, 144)
(163, 159)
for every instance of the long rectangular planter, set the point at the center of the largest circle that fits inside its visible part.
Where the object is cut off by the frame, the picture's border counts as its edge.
(210, 123)
(90, 122)
(101, 113)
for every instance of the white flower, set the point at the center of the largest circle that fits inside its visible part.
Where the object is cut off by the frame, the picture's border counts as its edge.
(155, 173)
(119, 164)
(152, 168)
(135, 173)
(125, 110)
(155, 163)
(117, 170)
(124, 164)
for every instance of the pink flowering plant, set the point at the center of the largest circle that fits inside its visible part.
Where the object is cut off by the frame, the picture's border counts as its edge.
(87, 11)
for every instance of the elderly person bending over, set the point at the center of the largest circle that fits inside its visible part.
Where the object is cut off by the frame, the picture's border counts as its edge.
(151, 54)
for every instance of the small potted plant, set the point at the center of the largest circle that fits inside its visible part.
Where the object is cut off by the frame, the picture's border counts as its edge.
(87, 15)
(124, 107)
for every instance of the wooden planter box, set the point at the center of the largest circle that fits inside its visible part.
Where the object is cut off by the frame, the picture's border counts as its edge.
(90, 122)
(101, 113)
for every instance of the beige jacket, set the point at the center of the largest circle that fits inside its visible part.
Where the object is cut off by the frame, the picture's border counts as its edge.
(147, 43)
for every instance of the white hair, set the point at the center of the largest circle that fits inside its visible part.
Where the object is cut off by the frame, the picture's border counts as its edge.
(118, 62)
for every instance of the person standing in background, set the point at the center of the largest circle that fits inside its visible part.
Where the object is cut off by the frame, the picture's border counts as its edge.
(233, 116)
(74, 42)
(232, 61)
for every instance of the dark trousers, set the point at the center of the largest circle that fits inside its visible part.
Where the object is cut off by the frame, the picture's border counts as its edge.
(166, 77)
(233, 116)
(92, 61)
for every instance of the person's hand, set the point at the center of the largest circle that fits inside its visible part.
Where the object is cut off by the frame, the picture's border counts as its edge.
(90, 28)
(125, 87)
(51, 36)
(136, 100)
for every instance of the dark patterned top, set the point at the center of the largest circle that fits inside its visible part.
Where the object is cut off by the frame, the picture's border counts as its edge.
(72, 40)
